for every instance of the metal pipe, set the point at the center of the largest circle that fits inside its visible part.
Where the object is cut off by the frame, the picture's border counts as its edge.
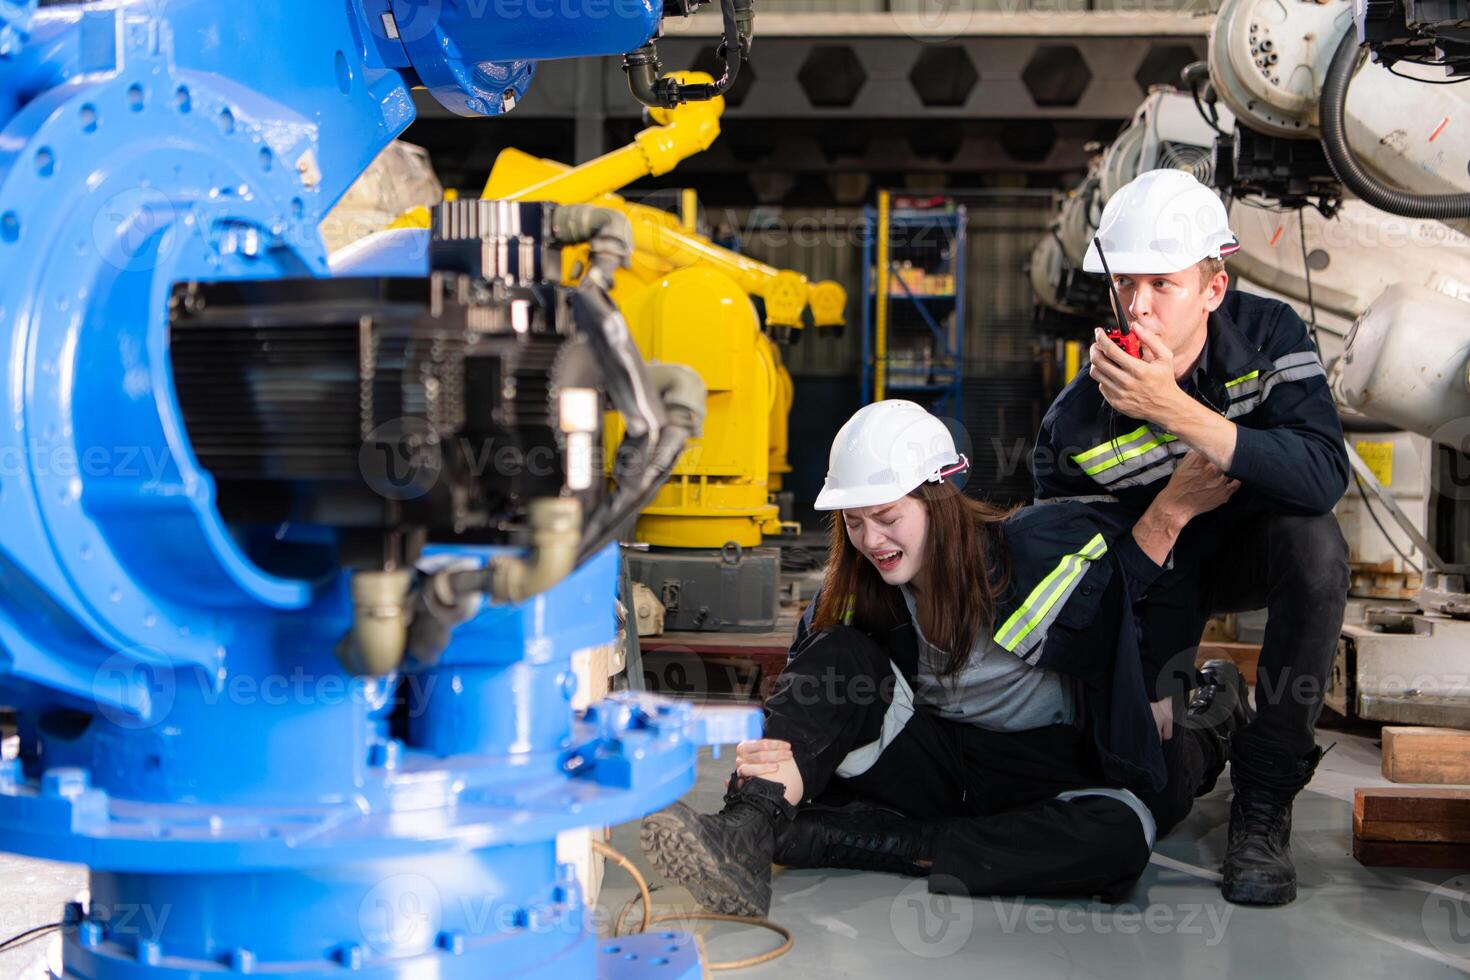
(375, 644)
(880, 329)
(556, 532)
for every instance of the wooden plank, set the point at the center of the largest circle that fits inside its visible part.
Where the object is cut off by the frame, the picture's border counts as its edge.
(731, 643)
(1415, 815)
(1426, 755)
(1243, 655)
(1424, 803)
(1398, 854)
(1406, 832)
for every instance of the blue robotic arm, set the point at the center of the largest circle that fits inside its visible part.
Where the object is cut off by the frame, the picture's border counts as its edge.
(180, 517)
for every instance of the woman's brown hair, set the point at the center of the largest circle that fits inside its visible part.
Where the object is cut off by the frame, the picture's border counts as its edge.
(965, 570)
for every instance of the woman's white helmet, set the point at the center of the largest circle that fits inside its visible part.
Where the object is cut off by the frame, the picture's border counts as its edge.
(883, 452)
(1161, 221)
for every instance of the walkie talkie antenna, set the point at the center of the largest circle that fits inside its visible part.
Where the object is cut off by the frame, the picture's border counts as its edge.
(1112, 290)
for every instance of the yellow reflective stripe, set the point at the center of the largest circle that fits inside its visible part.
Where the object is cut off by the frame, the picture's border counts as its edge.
(1047, 593)
(1097, 451)
(1112, 461)
(1243, 378)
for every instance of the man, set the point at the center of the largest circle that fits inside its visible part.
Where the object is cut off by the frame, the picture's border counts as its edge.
(1237, 380)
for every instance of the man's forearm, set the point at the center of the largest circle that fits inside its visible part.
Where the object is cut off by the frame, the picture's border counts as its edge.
(1206, 432)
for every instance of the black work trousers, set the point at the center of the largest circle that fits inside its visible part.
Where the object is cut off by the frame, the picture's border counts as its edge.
(1296, 568)
(855, 733)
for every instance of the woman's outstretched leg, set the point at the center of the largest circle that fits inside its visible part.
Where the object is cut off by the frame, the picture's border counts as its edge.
(840, 705)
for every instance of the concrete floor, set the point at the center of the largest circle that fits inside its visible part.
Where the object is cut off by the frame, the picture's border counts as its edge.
(1349, 921)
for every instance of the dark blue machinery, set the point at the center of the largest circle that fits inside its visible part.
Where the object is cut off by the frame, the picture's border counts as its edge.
(292, 662)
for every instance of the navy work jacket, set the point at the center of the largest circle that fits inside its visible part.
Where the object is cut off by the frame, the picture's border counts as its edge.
(1258, 368)
(1075, 571)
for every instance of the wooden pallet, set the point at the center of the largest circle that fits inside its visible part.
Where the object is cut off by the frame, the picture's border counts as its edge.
(1412, 827)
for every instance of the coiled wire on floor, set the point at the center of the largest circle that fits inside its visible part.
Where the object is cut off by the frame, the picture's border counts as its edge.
(645, 896)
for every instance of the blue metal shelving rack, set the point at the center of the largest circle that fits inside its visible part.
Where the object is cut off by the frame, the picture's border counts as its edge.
(923, 237)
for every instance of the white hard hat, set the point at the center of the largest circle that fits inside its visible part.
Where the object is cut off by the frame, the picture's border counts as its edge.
(883, 452)
(1161, 221)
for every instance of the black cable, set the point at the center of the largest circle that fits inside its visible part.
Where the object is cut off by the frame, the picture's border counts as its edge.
(1345, 163)
(1273, 208)
(1212, 122)
(795, 558)
(1367, 504)
(29, 936)
(1430, 81)
(1301, 224)
(631, 498)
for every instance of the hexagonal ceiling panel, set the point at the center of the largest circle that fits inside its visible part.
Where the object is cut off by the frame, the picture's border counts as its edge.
(1056, 76)
(944, 77)
(831, 76)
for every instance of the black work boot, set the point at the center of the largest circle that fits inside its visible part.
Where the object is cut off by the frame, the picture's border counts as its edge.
(1258, 868)
(1222, 706)
(724, 858)
(860, 836)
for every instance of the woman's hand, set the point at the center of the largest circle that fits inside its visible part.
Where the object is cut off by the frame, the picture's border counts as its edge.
(1163, 710)
(761, 756)
(1196, 487)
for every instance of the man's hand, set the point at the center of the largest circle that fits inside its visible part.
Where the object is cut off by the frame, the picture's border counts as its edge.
(1138, 388)
(1163, 710)
(761, 756)
(1146, 389)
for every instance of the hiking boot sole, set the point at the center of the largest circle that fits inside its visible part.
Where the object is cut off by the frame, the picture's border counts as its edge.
(1250, 890)
(672, 841)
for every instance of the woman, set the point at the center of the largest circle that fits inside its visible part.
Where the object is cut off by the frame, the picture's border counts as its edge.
(963, 699)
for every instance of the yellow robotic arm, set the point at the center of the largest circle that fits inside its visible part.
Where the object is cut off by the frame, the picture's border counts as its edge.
(662, 243)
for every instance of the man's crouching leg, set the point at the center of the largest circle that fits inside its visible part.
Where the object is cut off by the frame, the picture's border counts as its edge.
(1274, 757)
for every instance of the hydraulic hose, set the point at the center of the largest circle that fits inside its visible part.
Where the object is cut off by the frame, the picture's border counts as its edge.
(1345, 164)
(659, 416)
(683, 394)
(610, 238)
(655, 90)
